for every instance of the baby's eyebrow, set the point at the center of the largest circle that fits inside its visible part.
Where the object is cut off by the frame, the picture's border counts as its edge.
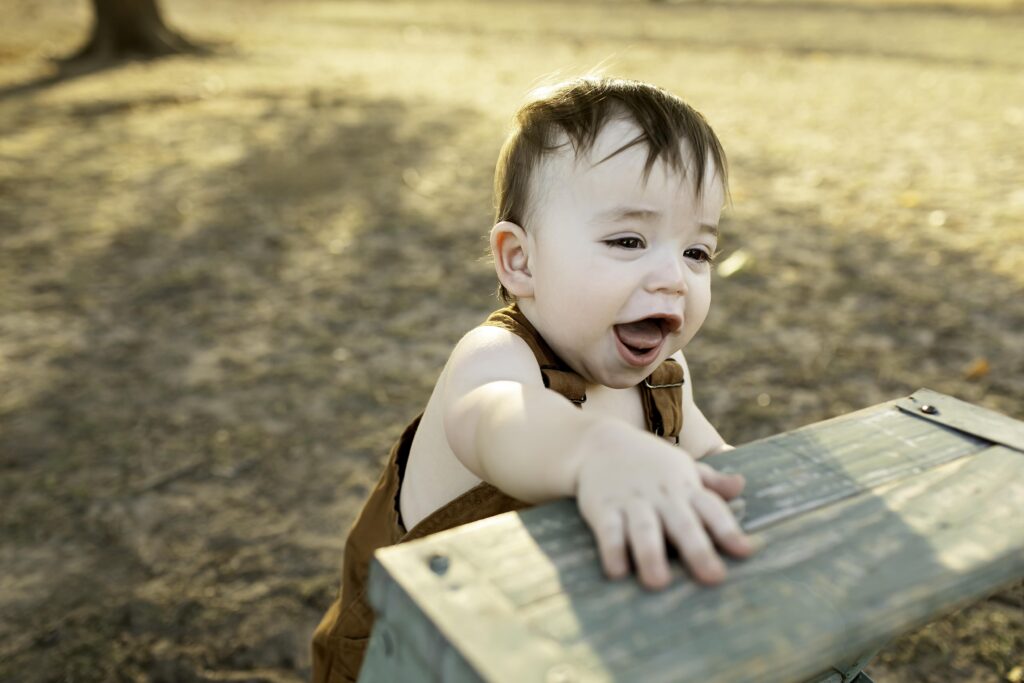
(627, 213)
(620, 214)
(708, 227)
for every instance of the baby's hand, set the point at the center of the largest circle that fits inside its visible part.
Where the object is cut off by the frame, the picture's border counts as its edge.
(635, 488)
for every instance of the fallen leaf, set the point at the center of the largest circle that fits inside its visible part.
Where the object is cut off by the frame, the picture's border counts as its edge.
(977, 369)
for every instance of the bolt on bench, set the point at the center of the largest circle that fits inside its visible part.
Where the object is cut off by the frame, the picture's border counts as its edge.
(875, 522)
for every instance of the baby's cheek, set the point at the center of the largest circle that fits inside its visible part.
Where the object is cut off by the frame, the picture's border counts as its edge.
(696, 314)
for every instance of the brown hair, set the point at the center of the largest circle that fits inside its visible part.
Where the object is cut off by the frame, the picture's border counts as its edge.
(580, 108)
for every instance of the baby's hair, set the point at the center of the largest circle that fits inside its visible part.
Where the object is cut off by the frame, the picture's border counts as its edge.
(579, 109)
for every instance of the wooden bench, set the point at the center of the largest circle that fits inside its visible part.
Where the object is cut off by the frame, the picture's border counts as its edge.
(875, 522)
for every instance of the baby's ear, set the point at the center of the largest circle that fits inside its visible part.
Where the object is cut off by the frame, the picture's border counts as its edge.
(511, 250)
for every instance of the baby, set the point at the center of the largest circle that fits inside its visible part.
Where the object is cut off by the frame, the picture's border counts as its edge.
(608, 198)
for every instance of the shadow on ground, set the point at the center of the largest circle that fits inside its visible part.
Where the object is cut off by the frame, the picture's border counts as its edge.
(218, 312)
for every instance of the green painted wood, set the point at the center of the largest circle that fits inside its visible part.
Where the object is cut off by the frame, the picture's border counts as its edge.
(905, 519)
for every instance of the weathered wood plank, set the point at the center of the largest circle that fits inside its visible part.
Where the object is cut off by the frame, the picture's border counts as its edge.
(952, 412)
(823, 463)
(856, 574)
(521, 597)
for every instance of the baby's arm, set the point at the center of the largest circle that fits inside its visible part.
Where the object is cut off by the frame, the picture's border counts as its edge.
(699, 437)
(503, 424)
(631, 486)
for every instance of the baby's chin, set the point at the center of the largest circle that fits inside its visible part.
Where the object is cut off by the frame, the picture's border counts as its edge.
(612, 374)
(622, 379)
(626, 377)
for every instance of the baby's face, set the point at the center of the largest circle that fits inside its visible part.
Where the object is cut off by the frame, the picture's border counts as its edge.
(620, 271)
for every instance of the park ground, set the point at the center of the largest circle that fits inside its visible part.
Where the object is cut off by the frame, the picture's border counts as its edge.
(228, 281)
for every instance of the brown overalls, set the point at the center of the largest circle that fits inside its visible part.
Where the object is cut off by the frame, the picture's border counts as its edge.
(340, 640)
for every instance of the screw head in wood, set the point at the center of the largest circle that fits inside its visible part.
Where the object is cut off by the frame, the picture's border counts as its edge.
(929, 409)
(438, 564)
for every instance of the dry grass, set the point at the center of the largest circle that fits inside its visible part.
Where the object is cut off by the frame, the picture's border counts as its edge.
(218, 275)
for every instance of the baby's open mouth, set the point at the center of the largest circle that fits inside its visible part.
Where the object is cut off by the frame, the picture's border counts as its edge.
(640, 341)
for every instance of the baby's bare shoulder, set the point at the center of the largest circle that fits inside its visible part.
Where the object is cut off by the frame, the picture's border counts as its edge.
(489, 354)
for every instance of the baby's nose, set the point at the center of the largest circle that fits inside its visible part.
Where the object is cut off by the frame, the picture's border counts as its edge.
(667, 275)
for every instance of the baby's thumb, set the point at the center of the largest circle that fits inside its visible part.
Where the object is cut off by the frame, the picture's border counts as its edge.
(728, 486)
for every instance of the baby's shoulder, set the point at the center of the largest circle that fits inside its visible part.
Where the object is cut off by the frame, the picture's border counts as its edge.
(488, 354)
(698, 436)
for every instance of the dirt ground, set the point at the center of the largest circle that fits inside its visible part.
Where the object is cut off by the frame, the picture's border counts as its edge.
(227, 282)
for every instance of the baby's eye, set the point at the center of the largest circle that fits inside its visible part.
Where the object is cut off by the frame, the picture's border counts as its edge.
(699, 255)
(626, 242)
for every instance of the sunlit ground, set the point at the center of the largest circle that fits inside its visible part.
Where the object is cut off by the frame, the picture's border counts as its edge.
(228, 282)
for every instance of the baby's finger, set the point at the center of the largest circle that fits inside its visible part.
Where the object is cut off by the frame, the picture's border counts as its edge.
(609, 530)
(687, 533)
(647, 541)
(726, 485)
(738, 506)
(719, 519)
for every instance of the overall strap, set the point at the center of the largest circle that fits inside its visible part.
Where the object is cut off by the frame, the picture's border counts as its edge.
(662, 396)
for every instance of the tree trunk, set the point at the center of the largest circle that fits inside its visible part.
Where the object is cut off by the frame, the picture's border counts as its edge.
(130, 28)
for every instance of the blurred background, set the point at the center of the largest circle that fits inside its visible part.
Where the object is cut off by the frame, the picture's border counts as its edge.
(230, 275)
